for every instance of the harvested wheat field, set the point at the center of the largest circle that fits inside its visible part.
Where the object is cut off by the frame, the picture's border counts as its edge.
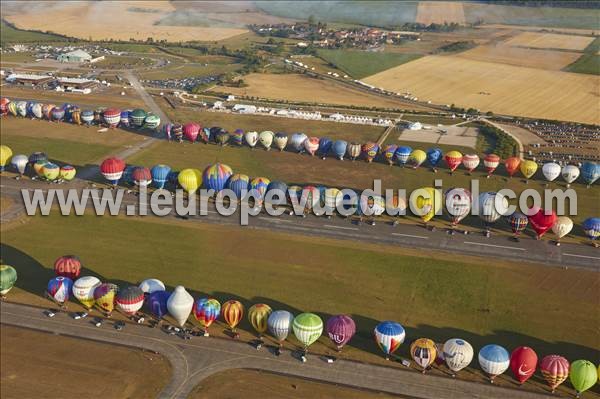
(119, 20)
(550, 40)
(295, 87)
(438, 12)
(543, 59)
(501, 88)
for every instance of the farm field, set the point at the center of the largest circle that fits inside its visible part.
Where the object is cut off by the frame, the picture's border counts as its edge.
(359, 64)
(296, 87)
(521, 57)
(550, 41)
(235, 383)
(484, 85)
(56, 363)
(190, 70)
(587, 63)
(429, 12)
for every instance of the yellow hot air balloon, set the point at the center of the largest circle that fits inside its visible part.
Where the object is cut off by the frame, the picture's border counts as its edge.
(67, 172)
(38, 167)
(104, 297)
(426, 202)
(416, 158)
(258, 315)
(50, 171)
(5, 154)
(190, 180)
(423, 352)
(528, 168)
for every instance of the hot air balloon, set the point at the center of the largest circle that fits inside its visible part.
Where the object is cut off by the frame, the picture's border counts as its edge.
(87, 116)
(458, 354)
(416, 158)
(112, 117)
(206, 310)
(370, 151)
(332, 199)
(561, 227)
(83, 290)
(130, 299)
(137, 117)
(50, 171)
(177, 132)
(259, 186)
(258, 315)
(67, 172)
(57, 114)
(36, 110)
(426, 203)
(124, 118)
(458, 204)
(512, 165)
(68, 266)
(518, 222)
(12, 108)
(5, 154)
(233, 312)
(38, 167)
(280, 324)
(221, 137)
(453, 160)
(494, 360)
(491, 207)
(152, 121)
(251, 138)
(541, 221)
(590, 172)
(591, 227)
(340, 329)
(311, 145)
(389, 335)
(551, 171)
(307, 327)
(470, 162)
(371, 205)
(237, 136)
(354, 150)
(339, 149)
(266, 139)
(159, 174)
(555, 370)
(423, 351)
(277, 193)
(280, 141)
(389, 152)
(128, 174)
(151, 285)
(570, 173)
(4, 106)
(204, 135)
(38, 157)
(20, 162)
(59, 289)
(180, 305)
(167, 130)
(325, 145)
(528, 168)
(190, 131)
(238, 183)
(583, 375)
(157, 303)
(297, 141)
(215, 176)
(104, 297)
(434, 156)
(8, 277)
(310, 197)
(523, 361)
(190, 180)
(112, 170)
(22, 108)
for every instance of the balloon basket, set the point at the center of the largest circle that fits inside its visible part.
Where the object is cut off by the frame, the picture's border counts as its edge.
(206, 334)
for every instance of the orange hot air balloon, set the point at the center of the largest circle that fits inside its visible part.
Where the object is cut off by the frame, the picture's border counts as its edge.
(453, 160)
(232, 312)
(512, 165)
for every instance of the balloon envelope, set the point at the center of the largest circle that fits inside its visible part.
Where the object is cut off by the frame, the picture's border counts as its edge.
(458, 204)
(555, 370)
(233, 312)
(206, 310)
(238, 183)
(591, 227)
(426, 202)
(523, 362)
(59, 288)
(541, 221)
(512, 165)
(458, 354)
(453, 160)
(190, 180)
(258, 315)
(151, 285)
(551, 171)
(307, 327)
(160, 174)
(216, 175)
(180, 305)
(339, 148)
(423, 351)
(105, 295)
(494, 359)
(416, 158)
(8, 277)
(583, 375)
(590, 172)
(434, 156)
(340, 329)
(83, 290)
(68, 266)
(20, 162)
(157, 303)
(130, 299)
(570, 173)
(492, 206)
(280, 324)
(528, 168)
(389, 335)
(562, 226)
(518, 222)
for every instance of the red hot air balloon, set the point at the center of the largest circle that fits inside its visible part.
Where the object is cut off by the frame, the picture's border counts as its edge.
(491, 162)
(190, 131)
(340, 330)
(555, 370)
(512, 165)
(112, 169)
(112, 117)
(68, 266)
(141, 176)
(540, 221)
(523, 362)
(453, 160)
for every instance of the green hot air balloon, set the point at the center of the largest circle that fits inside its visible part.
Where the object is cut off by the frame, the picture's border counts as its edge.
(583, 375)
(307, 327)
(8, 277)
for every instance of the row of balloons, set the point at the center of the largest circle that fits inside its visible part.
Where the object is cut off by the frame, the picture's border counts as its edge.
(307, 327)
(39, 162)
(458, 201)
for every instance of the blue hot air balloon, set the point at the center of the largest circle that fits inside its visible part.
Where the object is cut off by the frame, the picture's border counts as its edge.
(591, 226)
(494, 360)
(402, 154)
(389, 335)
(325, 145)
(278, 190)
(29, 109)
(160, 174)
(125, 116)
(339, 149)
(297, 141)
(434, 156)
(157, 303)
(238, 183)
(215, 176)
(590, 172)
(87, 116)
(173, 178)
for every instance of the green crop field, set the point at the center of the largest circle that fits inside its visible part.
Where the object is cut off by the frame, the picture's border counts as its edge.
(360, 64)
(9, 34)
(587, 63)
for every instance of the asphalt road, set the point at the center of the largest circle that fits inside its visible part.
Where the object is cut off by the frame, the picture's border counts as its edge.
(403, 235)
(194, 360)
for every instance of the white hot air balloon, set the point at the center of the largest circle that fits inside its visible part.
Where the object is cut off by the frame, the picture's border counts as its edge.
(562, 227)
(570, 173)
(20, 162)
(551, 171)
(83, 290)
(280, 141)
(333, 199)
(491, 207)
(372, 205)
(494, 360)
(470, 162)
(180, 305)
(280, 324)
(251, 138)
(36, 110)
(458, 354)
(297, 141)
(151, 285)
(266, 139)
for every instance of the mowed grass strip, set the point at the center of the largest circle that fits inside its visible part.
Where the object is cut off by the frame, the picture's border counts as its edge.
(360, 64)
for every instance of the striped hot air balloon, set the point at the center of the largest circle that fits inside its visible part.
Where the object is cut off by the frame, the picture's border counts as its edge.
(354, 150)
(83, 290)
(112, 170)
(518, 222)
(87, 116)
(105, 296)
(555, 370)
(152, 121)
(130, 299)
(125, 118)
(8, 278)
(453, 160)
(238, 183)
(166, 129)
(470, 162)
(339, 149)
(50, 171)
(112, 117)
(491, 162)
(494, 360)
(57, 114)
(76, 115)
(215, 176)
(160, 174)
(258, 315)
(280, 141)
(280, 324)
(177, 132)
(389, 151)
(138, 116)
(325, 145)
(190, 131)
(307, 328)
(141, 176)
(416, 158)
(297, 141)
(258, 186)
(237, 137)
(233, 312)
(402, 154)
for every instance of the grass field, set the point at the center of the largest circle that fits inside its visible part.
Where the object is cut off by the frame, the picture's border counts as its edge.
(235, 383)
(359, 64)
(587, 63)
(36, 364)
(484, 85)
(550, 41)
(11, 35)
